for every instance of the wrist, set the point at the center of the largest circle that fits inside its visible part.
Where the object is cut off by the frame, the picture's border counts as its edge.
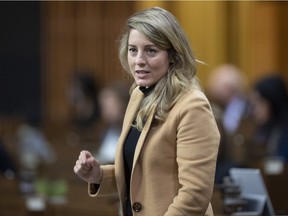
(100, 177)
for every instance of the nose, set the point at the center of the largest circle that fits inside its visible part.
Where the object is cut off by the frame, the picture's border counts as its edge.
(140, 58)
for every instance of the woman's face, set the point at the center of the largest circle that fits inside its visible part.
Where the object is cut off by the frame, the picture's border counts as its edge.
(260, 108)
(147, 62)
(111, 106)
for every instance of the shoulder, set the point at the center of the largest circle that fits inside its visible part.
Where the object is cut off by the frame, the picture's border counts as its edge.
(193, 105)
(195, 97)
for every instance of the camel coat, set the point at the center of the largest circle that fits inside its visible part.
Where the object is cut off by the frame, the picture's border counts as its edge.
(174, 162)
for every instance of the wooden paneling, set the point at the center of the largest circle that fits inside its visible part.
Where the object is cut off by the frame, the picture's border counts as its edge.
(83, 35)
(283, 43)
(205, 24)
(78, 36)
(58, 56)
(258, 39)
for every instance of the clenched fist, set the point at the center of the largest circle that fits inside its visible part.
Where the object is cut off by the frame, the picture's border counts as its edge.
(88, 168)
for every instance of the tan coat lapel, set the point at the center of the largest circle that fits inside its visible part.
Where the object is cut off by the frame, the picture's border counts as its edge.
(132, 108)
(142, 138)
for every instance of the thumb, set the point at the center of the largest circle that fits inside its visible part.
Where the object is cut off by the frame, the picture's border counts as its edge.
(91, 161)
(85, 155)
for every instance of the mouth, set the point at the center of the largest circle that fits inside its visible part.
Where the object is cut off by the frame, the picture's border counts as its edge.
(141, 74)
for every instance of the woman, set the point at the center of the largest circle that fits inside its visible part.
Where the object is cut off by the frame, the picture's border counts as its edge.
(166, 154)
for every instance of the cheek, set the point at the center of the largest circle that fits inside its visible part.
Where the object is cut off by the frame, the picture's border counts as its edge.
(265, 113)
(161, 67)
(130, 61)
(261, 113)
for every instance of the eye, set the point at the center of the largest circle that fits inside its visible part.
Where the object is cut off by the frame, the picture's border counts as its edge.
(151, 51)
(132, 49)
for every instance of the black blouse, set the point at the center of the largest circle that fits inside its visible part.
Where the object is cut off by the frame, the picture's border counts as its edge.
(128, 154)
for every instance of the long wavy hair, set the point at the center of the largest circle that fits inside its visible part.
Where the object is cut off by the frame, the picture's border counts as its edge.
(163, 29)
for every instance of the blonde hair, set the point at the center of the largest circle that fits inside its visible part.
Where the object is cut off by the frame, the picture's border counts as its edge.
(163, 29)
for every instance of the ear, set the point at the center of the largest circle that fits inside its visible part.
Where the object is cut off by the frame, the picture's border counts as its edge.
(171, 53)
(173, 60)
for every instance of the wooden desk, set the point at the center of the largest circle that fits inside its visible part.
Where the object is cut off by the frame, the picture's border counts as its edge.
(11, 201)
(277, 187)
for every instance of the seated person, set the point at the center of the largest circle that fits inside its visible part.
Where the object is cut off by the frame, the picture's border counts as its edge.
(7, 165)
(269, 102)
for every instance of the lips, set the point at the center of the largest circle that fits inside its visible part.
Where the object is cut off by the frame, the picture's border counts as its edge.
(141, 73)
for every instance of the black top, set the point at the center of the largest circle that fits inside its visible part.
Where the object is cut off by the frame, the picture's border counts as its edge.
(128, 154)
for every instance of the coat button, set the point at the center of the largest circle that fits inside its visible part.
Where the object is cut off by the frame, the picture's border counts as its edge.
(137, 206)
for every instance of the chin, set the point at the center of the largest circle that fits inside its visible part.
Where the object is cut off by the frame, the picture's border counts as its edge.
(143, 84)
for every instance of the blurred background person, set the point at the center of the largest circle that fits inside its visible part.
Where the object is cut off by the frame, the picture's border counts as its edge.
(33, 147)
(227, 94)
(35, 153)
(113, 101)
(8, 167)
(226, 85)
(269, 109)
(83, 99)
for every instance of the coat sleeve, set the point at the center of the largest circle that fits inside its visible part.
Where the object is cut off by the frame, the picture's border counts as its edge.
(107, 185)
(197, 147)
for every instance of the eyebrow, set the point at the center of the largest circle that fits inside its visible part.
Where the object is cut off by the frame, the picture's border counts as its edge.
(148, 45)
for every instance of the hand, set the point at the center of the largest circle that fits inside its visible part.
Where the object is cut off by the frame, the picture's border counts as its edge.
(88, 168)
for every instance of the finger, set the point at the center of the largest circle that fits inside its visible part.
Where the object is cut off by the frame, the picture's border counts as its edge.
(85, 155)
(82, 158)
(76, 168)
(80, 170)
(84, 166)
(92, 162)
(78, 165)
